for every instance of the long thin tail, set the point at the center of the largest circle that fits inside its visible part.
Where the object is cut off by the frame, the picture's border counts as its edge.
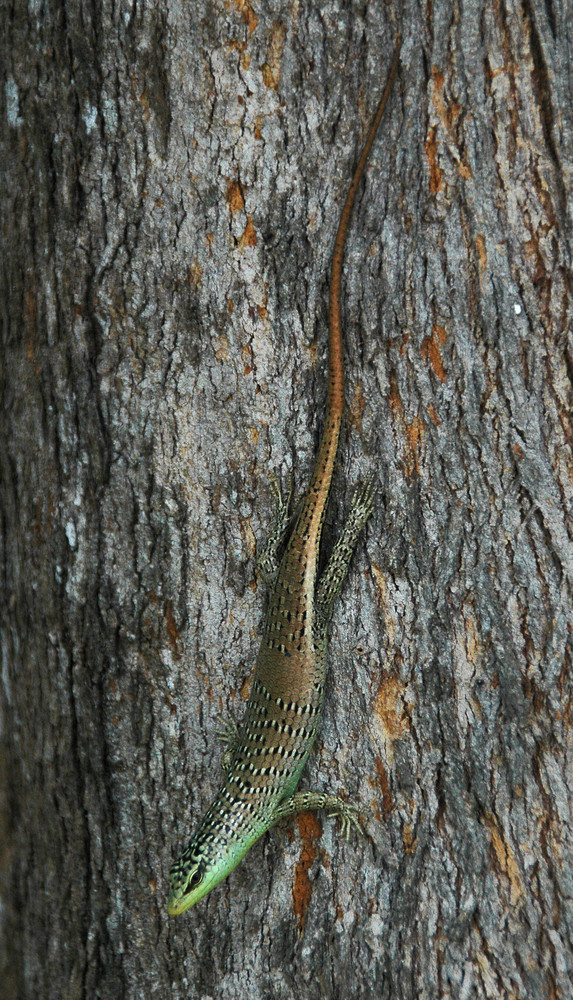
(321, 478)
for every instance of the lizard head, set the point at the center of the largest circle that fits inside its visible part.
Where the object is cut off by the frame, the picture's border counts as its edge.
(205, 862)
(215, 850)
(189, 880)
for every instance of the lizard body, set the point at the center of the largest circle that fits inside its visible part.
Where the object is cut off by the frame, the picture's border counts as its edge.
(266, 754)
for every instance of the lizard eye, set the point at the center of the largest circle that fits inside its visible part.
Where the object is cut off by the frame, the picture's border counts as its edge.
(196, 879)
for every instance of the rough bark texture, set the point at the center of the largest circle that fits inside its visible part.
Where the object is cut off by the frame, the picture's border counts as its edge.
(172, 180)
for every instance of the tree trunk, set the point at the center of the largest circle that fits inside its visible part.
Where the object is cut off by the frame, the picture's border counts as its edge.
(173, 178)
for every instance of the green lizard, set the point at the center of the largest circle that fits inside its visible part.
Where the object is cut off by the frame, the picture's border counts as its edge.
(266, 754)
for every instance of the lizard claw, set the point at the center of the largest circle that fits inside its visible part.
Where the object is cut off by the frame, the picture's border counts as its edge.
(348, 819)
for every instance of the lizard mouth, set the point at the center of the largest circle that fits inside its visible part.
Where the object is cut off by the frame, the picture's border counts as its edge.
(175, 905)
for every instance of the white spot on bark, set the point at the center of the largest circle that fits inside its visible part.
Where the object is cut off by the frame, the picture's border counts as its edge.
(90, 118)
(71, 534)
(12, 103)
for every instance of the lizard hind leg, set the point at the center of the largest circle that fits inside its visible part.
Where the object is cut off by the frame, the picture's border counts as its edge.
(334, 806)
(334, 574)
(268, 557)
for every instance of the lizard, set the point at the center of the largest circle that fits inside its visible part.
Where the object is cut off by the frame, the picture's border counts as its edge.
(266, 754)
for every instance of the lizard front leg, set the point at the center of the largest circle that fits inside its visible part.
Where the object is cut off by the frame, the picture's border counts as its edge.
(335, 806)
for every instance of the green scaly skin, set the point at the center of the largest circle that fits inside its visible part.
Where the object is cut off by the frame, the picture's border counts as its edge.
(266, 754)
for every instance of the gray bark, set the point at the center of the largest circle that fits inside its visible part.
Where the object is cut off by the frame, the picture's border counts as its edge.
(172, 181)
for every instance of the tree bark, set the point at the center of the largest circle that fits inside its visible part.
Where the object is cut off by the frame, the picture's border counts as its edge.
(173, 176)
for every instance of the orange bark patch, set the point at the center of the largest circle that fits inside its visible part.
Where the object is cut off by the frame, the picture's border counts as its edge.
(222, 348)
(389, 708)
(310, 829)
(271, 69)
(196, 274)
(247, 13)
(482, 252)
(415, 434)
(504, 859)
(438, 78)
(448, 112)
(235, 199)
(434, 415)
(436, 174)
(473, 641)
(241, 48)
(249, 237)
(464, 168)
(431, 351)
(408, 838)
(394, 400)
(380, 582)
(535, 258)
(356, 409)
